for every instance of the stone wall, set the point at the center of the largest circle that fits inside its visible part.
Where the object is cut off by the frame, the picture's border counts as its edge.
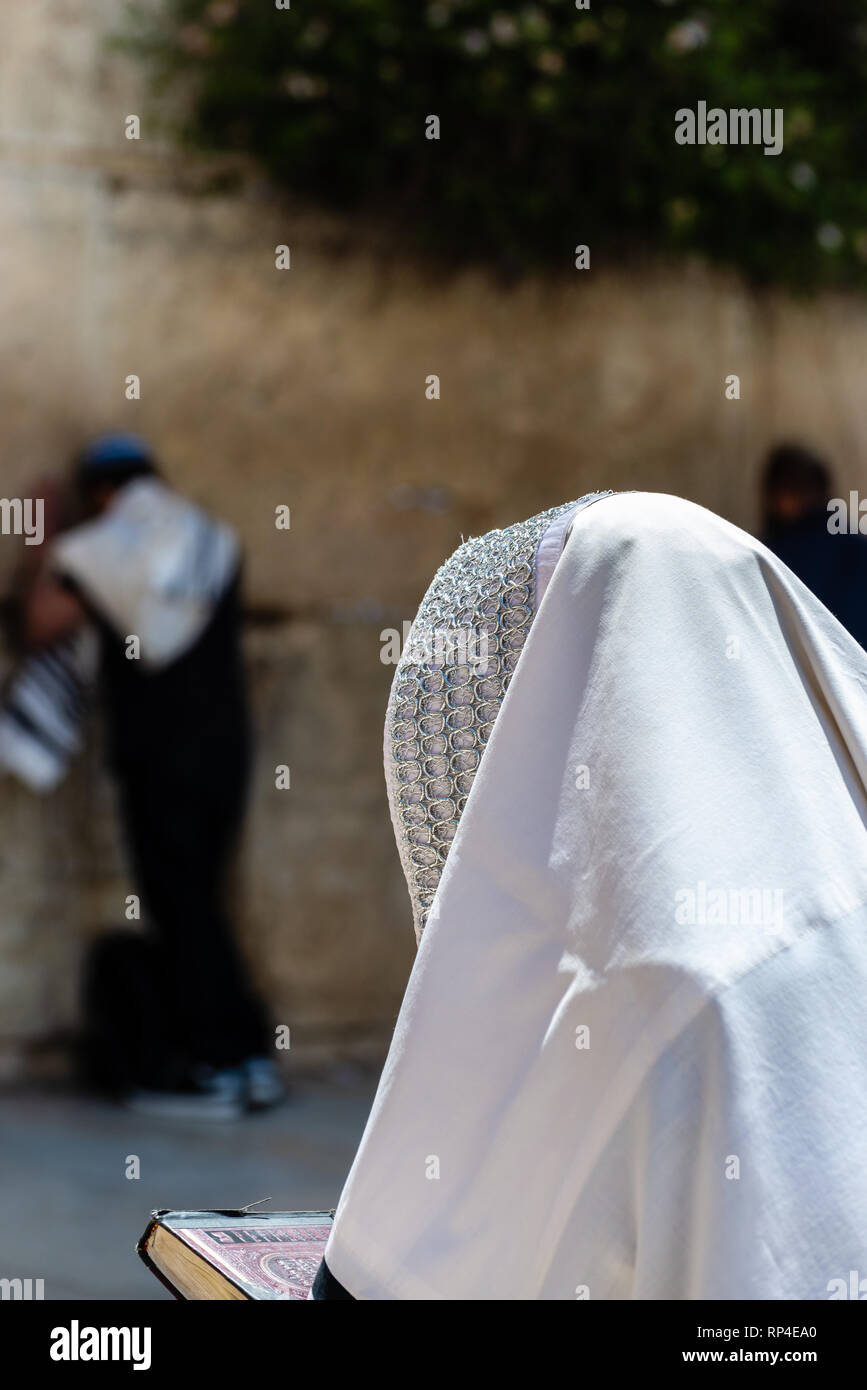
(307, 387)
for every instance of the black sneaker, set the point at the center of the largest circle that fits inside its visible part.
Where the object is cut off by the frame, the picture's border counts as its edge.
(263, 1083)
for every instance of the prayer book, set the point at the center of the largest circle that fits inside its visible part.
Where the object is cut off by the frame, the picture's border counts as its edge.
(236, 1254)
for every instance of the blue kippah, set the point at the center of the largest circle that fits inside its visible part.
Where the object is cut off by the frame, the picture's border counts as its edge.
(108, 450)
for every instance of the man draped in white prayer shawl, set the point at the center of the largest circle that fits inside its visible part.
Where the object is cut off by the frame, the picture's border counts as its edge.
(632, 1057)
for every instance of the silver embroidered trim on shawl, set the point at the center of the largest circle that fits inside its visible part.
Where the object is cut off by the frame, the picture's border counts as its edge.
(449, 685)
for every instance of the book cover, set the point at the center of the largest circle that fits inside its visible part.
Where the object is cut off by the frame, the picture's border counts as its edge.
(273, 1255)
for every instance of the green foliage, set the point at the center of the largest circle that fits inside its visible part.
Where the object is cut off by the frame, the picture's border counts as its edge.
(557, 124)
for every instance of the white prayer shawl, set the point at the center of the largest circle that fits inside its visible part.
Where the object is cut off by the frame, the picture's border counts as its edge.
(631, 1061)
(154, 566)
(43, 708)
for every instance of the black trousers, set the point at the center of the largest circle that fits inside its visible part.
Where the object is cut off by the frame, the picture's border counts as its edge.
(182, 816)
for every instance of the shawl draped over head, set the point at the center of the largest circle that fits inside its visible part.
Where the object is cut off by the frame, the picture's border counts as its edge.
(154, 564)
(631, 1061)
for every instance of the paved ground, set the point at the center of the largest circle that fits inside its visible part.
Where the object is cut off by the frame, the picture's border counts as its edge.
(69, 1215)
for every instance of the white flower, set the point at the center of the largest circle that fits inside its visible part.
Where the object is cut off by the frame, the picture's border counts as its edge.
(829, 236)
(504, 30)
(475, 41)
(690, 34)
(302, 87)
(803, 176)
